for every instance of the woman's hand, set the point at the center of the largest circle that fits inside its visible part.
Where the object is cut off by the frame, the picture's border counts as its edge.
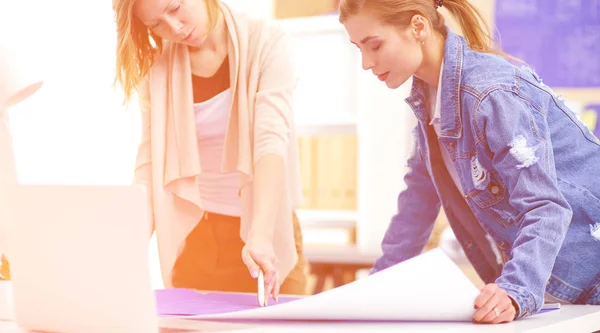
(493, 306)
(258, 255)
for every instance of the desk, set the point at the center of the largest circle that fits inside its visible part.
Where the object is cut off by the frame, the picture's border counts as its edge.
(337, 261)
(170, 325)
(570, 318)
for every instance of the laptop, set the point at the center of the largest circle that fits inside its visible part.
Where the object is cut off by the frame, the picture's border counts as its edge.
(79, 258)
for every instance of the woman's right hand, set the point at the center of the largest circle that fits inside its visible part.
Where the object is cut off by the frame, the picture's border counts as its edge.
(493, 306)
(259, 255)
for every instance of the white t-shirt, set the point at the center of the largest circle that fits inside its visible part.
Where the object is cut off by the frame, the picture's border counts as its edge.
(218, 190)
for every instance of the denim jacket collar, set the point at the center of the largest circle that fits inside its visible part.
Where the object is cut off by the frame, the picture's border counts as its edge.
(450, 122)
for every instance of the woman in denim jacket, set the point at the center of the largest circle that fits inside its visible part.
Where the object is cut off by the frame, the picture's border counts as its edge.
(518, 175)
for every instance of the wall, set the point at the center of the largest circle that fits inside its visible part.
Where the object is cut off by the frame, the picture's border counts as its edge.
(583, 100)
(302, 8)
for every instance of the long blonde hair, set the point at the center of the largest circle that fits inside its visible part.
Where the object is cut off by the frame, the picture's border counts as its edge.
(399, 13)
(138, 47)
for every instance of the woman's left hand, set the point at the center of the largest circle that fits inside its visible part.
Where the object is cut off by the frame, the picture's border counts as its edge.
(493, 306)
(259, 255)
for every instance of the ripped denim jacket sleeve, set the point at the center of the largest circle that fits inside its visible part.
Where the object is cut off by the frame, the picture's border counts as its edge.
(517, 135)
(411, 226)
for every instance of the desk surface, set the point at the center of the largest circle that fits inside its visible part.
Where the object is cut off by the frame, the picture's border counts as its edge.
(169, 325)
(570, 318)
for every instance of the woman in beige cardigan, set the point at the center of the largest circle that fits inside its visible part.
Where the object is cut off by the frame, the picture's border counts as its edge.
(218, 151)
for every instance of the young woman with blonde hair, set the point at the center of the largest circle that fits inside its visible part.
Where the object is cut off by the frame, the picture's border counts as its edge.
(218, 151)
(514, 169)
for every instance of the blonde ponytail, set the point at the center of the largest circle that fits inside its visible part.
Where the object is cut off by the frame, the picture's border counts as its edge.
(400, 12)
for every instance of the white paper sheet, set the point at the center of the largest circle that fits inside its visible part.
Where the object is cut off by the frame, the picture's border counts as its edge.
(429, 287)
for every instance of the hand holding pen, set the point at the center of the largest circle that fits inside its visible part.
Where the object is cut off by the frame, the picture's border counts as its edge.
(260, 259)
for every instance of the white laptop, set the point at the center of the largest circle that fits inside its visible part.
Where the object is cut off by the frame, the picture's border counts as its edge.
(79, 258)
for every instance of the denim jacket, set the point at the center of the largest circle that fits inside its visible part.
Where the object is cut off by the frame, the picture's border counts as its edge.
(530, 174)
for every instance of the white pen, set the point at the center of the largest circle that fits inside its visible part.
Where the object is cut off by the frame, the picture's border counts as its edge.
(261, 288)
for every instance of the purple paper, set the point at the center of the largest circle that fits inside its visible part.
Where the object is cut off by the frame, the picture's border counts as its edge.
(186, 302)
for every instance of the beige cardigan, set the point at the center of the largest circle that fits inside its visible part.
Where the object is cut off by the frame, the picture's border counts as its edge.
(260, 122)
